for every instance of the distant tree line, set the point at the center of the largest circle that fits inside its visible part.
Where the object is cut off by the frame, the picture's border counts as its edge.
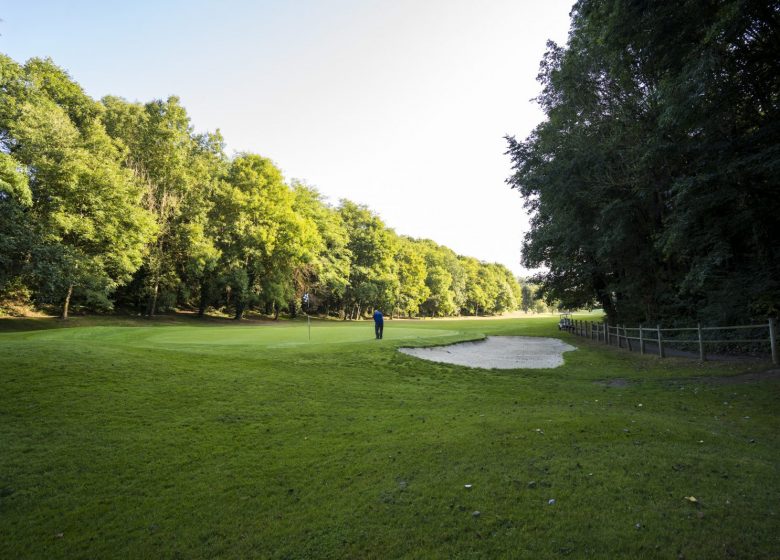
(533, 298)
(653, 182)
(113, 203)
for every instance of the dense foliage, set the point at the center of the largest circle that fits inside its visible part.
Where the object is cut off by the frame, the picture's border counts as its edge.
(117, 203)
(653, 182)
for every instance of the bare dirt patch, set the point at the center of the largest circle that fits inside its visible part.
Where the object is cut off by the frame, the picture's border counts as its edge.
(498, 352)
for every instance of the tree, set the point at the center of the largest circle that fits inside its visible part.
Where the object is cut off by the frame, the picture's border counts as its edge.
(372, 278)
(87, 229)
(261, 237)
(15, 230)
(327, 277)
(527, 297)
(412, 272)
(651, 182)
(178, 171)
(508, 290)
(446, 280)
(201, 256)
(476, 298)
(113, 202)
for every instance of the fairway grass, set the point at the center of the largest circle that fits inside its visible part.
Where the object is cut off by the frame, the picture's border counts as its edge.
(135, 440)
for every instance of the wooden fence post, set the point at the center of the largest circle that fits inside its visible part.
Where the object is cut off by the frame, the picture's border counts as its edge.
(702, 356)
(606, 333)
(660, 342)
(773, 341)
(628, 340)
(641, 340)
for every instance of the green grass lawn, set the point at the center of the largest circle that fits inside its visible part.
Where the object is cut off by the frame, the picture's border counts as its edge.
(180, 440)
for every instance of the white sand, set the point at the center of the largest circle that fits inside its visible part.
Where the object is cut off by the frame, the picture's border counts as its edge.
(498, 352)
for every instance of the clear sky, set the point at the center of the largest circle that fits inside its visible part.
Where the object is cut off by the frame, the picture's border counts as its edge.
(401, 105)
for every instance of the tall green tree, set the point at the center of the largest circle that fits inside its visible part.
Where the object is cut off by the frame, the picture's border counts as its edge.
(261, 237)
(446, 280)
(326, 277)
(15, 227)
(200, 257)
(477, 298)
(412, 272)
(651, 183)
(162, 152)
(87, 229)
(372, 278)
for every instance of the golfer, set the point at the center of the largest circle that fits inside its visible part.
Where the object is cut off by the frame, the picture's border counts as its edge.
(379, 324)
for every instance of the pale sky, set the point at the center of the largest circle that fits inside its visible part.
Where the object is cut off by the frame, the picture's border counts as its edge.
(401, 105)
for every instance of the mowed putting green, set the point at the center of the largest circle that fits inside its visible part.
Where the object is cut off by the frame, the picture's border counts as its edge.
(288, 335)
(205, 440)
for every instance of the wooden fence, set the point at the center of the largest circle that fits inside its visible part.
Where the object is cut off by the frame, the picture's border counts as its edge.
(621, 335)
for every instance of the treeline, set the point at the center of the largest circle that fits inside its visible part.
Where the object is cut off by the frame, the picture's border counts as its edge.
(653, 182)
(533, 298)
(113, 203)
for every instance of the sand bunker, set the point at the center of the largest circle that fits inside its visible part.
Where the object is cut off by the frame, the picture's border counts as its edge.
(498, 352)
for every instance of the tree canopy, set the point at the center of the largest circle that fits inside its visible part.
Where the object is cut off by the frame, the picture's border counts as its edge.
(114, 203)
(652, 183)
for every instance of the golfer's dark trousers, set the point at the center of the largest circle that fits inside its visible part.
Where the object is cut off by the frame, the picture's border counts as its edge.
(378, 328)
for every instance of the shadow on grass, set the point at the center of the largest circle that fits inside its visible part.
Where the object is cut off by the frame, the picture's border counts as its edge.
(178, 318)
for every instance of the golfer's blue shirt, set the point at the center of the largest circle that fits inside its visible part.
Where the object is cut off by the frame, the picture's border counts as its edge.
(378, 319)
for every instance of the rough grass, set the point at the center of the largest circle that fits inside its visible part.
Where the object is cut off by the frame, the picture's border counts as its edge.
(182, 440)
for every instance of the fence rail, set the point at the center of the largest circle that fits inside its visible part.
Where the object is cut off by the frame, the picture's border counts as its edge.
(618, 335)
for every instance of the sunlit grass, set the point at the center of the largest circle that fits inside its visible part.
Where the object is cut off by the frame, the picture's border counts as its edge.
(179, 440)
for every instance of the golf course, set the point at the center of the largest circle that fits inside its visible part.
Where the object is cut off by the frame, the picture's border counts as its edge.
(349, 280)
(173, 438)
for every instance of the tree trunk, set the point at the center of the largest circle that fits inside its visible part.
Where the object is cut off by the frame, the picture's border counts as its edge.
(152, 305)
(604, 297)
(276, 312)
(240, 306)
(66, 303)
(204, 291)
